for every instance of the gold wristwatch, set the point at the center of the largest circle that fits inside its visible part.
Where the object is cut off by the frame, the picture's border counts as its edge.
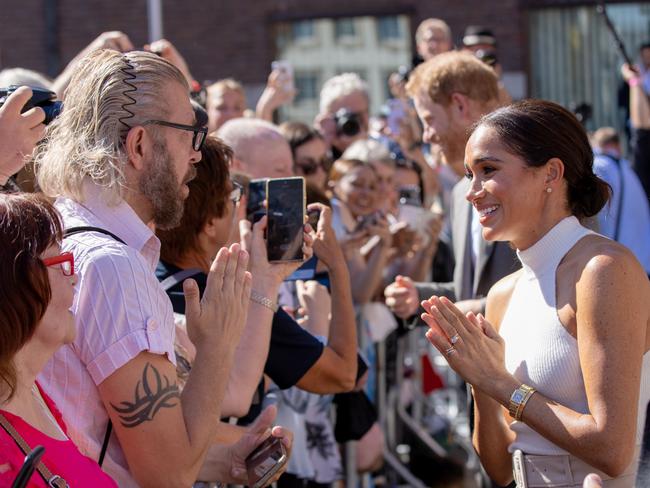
(518, 400)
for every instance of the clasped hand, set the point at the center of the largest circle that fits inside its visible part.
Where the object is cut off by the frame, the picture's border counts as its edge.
(473, 348)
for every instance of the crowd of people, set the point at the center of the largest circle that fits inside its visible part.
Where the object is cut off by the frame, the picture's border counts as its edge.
(148, 339)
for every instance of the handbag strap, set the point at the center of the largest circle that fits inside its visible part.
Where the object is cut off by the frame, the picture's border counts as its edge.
(52, 480)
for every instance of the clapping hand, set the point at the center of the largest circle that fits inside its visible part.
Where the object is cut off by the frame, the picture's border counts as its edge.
(473, 348)
(219, 316)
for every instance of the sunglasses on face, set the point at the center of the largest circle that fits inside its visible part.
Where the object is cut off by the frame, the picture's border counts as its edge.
(309, 166)
(200, 133)
(64, 260)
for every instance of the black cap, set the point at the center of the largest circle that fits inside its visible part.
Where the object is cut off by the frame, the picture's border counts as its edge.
(478, 34)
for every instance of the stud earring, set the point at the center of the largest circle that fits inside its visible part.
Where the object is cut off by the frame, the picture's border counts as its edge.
(549, 190)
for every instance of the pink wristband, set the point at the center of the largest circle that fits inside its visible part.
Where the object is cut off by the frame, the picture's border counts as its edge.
(634, 81)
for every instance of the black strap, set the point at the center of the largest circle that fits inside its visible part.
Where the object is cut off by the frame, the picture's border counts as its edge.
(107, 437)
(78, 230)
(88, 228)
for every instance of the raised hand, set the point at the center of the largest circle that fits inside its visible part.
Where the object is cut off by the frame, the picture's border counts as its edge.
(402, 297)
(220, 315)
(19, 133)
(116, 40)
(168, 51)
(326, 246)
(473, 348)
(266, 273)
(316, 305)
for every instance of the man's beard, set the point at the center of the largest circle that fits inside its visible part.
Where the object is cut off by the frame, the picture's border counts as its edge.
(160, 186)
(453, 144)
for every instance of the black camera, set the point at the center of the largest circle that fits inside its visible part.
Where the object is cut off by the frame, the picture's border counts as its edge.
(347, 123)
(40, 98)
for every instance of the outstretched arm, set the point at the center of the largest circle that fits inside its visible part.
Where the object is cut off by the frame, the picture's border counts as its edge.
(336, 369)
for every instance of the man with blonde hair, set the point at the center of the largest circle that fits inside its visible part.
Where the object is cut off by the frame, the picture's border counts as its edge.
(343, 111)
(433, 37)
(452, 92)
(118, 158)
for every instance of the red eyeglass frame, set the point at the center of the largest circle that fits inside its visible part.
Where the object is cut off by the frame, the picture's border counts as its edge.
(61, 258)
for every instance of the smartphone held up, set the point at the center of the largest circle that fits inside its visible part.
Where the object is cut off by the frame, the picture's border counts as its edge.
(285, 210)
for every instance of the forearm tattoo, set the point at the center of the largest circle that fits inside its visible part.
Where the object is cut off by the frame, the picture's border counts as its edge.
(152, 393)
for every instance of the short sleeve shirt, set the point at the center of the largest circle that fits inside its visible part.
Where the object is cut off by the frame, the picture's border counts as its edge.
(120, 311)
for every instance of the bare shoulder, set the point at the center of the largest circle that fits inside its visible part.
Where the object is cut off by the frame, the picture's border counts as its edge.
(611, 285)
(599, 261)
(499, 297)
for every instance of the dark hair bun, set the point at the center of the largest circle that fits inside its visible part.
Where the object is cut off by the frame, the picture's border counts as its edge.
(539, 130)
(588, 196)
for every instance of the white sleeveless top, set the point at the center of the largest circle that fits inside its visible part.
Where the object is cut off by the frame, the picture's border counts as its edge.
(539, 351)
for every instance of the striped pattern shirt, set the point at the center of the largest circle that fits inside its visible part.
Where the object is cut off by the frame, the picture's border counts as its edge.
(120, 310)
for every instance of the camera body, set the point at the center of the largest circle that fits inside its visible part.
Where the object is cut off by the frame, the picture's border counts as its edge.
(347, 123)
(40, 98)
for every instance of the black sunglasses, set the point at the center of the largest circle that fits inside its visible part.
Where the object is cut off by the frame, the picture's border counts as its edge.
(309, 166)
(200, 133)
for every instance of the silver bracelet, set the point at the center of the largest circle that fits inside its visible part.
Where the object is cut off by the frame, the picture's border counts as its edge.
(264, 301)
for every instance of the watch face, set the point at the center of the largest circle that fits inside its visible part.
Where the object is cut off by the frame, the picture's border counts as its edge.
(518, 397)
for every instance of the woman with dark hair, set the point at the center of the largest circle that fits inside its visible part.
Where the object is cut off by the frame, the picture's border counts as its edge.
(309, 151)
(37, 289)
(560, 368)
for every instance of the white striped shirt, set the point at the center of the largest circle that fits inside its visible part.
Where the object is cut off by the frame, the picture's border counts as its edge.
(120, 310)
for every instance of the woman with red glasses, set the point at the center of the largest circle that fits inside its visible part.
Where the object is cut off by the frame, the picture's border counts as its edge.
(37, 289)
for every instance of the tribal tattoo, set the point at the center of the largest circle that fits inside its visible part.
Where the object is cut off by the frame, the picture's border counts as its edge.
(151, 394)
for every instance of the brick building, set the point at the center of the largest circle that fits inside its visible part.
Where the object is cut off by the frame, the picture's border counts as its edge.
(551, 48)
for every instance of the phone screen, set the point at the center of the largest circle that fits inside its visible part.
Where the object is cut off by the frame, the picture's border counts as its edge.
(286, 217)
(256, 196)
(265, 461)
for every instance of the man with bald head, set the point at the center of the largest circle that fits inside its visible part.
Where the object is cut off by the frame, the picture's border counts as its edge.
(259, 148)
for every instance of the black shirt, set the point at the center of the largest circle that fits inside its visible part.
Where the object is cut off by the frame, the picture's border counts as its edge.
(292, 351)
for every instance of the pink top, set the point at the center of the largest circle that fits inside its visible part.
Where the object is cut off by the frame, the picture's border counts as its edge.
(120, 310)
(60, 457)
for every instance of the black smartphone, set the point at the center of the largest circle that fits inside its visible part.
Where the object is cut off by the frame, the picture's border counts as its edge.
(265, 461)
(256, 196)
(306, 272)
(285, 208)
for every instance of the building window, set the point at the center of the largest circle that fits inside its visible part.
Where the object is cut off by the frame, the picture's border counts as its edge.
(388, 28)
(345, 28)
(302, 29)
(306, 87)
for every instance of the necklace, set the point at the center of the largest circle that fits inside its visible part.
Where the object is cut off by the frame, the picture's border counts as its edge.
(46, 410)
